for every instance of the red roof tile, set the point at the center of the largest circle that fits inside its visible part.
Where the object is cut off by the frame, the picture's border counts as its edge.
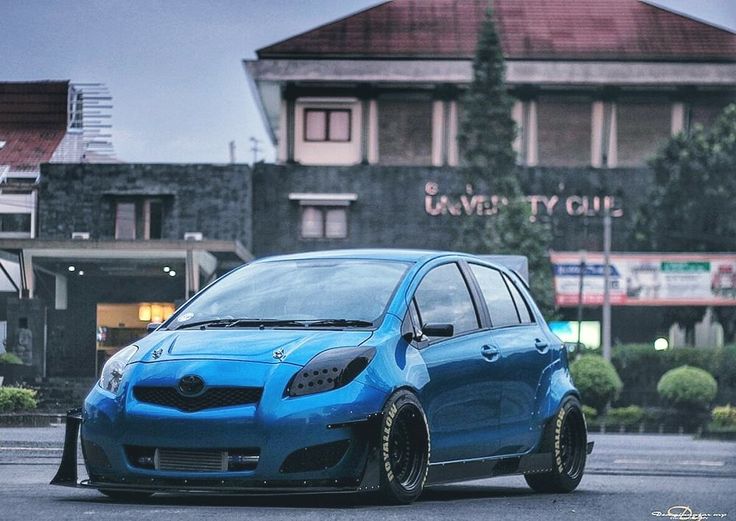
(529, 29)
(33, 121)
(28, 147)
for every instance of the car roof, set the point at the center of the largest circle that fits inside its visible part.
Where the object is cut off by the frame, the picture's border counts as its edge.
(388, 254)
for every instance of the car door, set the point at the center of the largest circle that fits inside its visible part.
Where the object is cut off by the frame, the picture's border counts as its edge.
(524, 355)
(462, 397)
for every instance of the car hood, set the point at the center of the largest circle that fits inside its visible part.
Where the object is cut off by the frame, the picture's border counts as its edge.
(253, 345)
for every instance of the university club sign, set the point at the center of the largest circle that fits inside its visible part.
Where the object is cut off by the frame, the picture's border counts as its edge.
(469, 203)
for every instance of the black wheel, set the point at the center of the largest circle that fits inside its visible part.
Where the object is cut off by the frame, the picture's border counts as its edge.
(126, 496)
(404, 449)
(566, 438)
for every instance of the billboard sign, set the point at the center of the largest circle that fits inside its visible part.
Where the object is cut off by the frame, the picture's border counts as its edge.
(647, 279)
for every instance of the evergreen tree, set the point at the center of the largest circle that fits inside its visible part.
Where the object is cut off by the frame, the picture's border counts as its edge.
(486, 138)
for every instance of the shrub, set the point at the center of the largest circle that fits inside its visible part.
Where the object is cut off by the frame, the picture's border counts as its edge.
(687, 387)
(589, 412)
(724, 416)
(596, 379)
(641, 367)
(631, 415)
(10, 358)
(15, 399)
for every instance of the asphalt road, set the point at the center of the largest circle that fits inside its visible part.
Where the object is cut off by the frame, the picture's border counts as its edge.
(628, 476)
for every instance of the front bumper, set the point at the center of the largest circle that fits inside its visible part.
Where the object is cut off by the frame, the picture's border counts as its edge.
(367, 479)
(276, 428)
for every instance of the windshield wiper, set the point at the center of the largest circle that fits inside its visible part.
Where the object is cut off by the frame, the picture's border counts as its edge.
(266, 322)
(338, 322)
(216, 322)
(274, 322)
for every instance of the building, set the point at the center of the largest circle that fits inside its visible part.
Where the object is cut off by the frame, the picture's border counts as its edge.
(119, 246)
(597, 83)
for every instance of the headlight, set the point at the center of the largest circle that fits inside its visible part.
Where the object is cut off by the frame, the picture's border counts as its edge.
(113, 370)
(329, 370)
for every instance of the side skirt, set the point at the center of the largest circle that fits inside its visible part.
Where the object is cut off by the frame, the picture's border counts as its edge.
(466, 470)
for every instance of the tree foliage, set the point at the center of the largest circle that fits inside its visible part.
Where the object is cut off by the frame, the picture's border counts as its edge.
(486, 138)
(692, 204)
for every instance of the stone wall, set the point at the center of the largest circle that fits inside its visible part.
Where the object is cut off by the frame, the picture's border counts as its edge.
(212, 199)
(395, 206)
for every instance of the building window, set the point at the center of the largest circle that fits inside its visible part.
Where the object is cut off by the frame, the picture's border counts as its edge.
(139, 219)
(327, 125)
(324, 222)
(15, 223)
(125, 221)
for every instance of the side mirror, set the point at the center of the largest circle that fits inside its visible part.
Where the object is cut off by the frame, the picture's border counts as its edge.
(444, 330)
(153, 326)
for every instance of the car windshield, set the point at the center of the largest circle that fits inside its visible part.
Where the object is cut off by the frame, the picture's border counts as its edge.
(297, 293)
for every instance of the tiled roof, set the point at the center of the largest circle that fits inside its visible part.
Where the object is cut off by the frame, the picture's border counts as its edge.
(33, 121)
(529, 29)
(28, 147)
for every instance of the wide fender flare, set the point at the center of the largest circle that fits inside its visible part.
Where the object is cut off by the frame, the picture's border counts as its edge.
(559, 386)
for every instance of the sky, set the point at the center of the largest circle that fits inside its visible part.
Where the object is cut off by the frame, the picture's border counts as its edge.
(174, 67)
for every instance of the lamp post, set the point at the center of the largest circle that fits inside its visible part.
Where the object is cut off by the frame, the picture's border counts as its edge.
(580, 295)
(607, 284)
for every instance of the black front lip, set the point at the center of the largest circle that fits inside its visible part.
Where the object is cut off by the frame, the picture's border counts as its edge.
(225, 487)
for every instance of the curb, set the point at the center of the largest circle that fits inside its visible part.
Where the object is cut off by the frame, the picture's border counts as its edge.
(31, 419)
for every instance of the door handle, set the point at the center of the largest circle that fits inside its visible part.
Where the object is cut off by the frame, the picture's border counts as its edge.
(540, 344)
(490, 353)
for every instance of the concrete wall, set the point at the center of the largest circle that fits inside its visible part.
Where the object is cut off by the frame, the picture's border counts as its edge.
(212, 199)
(394, 207)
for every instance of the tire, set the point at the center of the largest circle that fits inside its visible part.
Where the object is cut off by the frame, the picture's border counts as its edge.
(566, 438)
(125, 496)
(405, 445)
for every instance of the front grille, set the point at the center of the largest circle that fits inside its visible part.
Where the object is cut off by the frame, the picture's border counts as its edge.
(210, 399)
(193, 460)
(190, 460)
(316, 457)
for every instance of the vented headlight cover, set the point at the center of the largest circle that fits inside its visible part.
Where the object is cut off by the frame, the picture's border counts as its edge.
(330, 370)
(112, 372)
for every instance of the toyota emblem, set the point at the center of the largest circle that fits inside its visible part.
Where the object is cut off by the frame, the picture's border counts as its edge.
(191, 385)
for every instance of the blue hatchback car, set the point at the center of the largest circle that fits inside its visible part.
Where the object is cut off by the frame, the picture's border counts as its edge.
(342, 371)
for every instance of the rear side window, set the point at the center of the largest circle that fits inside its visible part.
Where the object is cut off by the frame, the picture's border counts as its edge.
(498, 299)
(521, 305)
(443, 298)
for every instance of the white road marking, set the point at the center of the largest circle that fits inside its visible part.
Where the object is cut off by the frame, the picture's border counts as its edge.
(32, 448)
(698, 463)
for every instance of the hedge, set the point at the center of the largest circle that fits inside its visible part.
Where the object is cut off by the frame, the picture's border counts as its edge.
(640, 368)
(10, 358)
(16, 399)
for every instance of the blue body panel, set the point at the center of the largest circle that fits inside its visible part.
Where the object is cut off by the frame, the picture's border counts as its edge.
(476, 408)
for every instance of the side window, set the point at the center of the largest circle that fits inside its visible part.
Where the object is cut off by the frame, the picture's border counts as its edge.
(498, 299)
(521, 305)
(443, 298)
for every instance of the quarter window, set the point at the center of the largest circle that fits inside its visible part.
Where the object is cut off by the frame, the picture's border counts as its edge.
(521, 306)
(327, 125)
(498, 299)
(443, 298)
